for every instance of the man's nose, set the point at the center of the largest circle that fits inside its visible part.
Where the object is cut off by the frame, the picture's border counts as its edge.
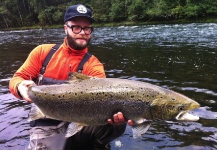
(82, 31)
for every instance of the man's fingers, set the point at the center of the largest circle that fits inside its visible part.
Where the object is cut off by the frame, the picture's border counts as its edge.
(130, 122)
(23, 89)
(120, 117)
(27, 83)
(115, 117)
(23, 93)
(26, 97)
(110, 121)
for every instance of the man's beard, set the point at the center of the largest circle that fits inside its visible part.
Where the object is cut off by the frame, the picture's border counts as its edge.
(72, 43)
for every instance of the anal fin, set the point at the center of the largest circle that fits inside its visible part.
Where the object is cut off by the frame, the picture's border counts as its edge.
(73, 128)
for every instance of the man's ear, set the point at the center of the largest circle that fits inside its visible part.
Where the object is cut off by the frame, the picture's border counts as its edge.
(65, 28)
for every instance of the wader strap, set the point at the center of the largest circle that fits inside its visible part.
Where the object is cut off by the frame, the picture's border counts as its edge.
(48, 57)
(83, 61)
(53, 50)
(44, 122)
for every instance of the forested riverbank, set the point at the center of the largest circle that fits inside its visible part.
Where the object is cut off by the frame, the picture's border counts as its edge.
(42, 13)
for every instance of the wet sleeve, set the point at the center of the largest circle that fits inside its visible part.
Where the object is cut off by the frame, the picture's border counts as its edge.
(28, 71)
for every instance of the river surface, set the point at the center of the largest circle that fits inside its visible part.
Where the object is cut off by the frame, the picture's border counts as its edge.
(180, 57)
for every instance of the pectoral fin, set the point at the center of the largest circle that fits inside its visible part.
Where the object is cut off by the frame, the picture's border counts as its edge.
(35, 113)
(139, 129)
(73, 128)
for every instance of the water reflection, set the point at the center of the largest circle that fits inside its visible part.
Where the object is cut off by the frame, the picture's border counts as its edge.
(179, 57)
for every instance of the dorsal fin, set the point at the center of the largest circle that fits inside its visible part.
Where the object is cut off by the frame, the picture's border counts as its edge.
(75, 76)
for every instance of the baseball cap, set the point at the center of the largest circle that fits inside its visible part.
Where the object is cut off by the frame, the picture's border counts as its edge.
(78, 10)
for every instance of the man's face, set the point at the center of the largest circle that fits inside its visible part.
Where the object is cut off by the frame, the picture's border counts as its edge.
(81, 40)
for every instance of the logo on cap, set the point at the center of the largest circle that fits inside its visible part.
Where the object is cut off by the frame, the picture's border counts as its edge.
(81, 9)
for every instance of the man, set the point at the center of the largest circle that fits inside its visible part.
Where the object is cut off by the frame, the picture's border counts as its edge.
(66, 59)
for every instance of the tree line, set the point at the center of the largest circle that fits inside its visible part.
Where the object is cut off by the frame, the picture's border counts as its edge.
(19, 13)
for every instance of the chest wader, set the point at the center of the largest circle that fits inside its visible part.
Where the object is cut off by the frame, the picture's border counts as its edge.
(48, 134)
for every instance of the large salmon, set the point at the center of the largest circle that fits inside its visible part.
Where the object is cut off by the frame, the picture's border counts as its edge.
(92, 101)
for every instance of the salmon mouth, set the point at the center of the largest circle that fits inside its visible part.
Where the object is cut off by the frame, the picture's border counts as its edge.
(186, 116)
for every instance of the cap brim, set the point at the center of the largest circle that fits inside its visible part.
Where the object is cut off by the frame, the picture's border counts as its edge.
(89, 18)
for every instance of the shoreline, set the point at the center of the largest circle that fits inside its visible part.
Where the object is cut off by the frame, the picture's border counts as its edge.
(123, 23)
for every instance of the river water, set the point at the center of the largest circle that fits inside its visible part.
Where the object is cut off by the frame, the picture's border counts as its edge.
(180, 57)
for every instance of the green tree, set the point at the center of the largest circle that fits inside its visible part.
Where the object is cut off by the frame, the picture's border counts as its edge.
(118, 11)
(101, 9)
(160, 9)
(4, 14)
(51, 15)
(136, 9)
(38, 5)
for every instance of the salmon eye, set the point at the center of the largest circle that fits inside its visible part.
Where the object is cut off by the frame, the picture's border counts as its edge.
(181, 108)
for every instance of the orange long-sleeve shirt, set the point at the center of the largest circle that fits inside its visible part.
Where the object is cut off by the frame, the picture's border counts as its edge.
(62, 62)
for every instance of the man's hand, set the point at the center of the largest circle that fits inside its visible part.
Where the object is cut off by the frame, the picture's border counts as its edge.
(23, 88)
(119, 119)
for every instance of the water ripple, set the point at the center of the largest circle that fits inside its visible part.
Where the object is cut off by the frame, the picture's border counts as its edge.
(195, 89)
(162, 35)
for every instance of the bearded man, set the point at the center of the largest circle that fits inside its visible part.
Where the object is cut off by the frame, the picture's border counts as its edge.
(50, 64)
